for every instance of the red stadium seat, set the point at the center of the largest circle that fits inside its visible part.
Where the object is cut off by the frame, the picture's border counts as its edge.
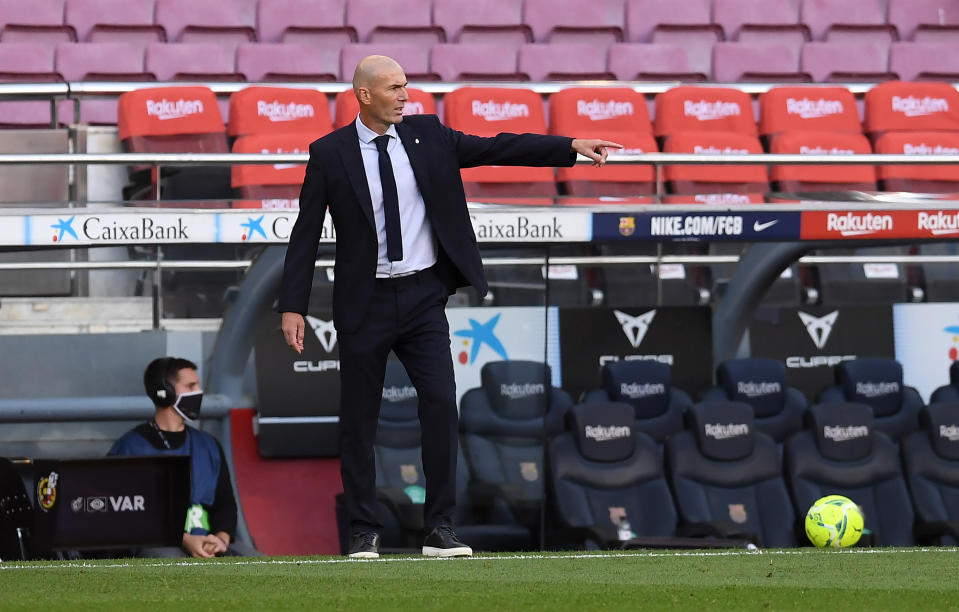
(321, 23)
(716, 199)
(922, 179)
(126, 21)
(597, 22)
(487, 112)
(277, 181)
(822, 109)
(911, 107)
(491, 21)
(715, 178)
(822, 178)
(278, 110)
(346, 106)
(697, 109)
(617, 114)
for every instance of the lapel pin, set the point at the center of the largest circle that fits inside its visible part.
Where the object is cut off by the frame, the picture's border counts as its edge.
(416, 140)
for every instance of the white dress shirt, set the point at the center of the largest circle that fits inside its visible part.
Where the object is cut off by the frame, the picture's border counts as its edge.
(419, 244)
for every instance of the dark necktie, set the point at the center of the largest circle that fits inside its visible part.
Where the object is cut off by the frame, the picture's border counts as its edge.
(391, 202)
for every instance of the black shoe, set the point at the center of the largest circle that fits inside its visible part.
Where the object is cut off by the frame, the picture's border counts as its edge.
(442, 542)
(365, 545)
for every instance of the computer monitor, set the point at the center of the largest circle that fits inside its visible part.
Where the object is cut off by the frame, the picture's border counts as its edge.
(110, 502)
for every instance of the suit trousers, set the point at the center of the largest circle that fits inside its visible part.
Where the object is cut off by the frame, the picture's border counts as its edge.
(405, 315)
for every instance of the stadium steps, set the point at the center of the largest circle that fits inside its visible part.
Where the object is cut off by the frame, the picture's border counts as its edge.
(73, 315)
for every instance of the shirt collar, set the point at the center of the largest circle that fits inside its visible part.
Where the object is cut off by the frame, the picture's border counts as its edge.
(367, 135)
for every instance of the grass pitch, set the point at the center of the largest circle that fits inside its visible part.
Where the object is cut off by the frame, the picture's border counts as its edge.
(856, 579)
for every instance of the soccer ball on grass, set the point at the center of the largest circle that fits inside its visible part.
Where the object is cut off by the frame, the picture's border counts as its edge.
(834, 521)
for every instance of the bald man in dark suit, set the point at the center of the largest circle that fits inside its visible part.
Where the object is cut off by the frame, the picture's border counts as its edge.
(404, 244)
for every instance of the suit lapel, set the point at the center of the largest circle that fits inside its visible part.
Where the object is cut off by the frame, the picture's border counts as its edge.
(416, 152)
(355, 171)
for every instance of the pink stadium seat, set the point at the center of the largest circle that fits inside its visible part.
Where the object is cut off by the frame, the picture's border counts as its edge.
(490, 21)
(743, 61)
(645, 17)
(279, 62)
(37, 21)
(475, 61)
(563, 62)
(925, 20)
(97, 62)
(595, 22)
(415, 59)
(925, 61)
(26, 62)
(651, 62)
(766, 21)
(127, 21)
(845, 62)
(246, 9)
(848, 21)
(317, 22)
(378, 21)
(190, 61)
(213, 21)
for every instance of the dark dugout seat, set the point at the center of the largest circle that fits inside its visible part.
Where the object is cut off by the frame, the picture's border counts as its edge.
(842, 453)
(16, 514)
(877, 382)
(950, 392)
(931, 460)
(401, 483)
(727, 477)
(607, 480)
(761, 383)
(503, 426)
(657, 407)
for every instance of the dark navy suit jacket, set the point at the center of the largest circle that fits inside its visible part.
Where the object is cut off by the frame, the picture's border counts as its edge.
(335, 178)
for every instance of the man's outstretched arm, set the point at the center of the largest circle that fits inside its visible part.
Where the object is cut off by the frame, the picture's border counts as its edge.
(594, 148)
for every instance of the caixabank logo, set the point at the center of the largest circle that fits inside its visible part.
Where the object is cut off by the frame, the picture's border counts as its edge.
(273, 225)
(110, 228)
(680, 338)
(811, 342)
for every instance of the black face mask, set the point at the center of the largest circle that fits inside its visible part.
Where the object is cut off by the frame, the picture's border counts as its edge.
(188, 405)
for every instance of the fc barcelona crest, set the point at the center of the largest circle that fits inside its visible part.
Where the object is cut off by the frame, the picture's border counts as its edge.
(409, 474)
(528, 470)
(627, 226)
(737, 513)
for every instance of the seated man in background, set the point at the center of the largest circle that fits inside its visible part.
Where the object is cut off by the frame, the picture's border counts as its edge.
(174, 387)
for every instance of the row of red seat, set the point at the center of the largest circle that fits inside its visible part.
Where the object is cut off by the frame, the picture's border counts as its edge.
(918, 118)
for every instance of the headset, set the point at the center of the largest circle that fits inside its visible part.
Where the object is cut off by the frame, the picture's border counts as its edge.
(158, 388)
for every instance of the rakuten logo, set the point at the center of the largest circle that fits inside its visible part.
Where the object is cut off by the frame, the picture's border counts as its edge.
(813, 109)
(600, 111)
(855, 224)
(949, 432)
(914, 107)
(758, 389)
(602, 433)
(722, 198)
(711, 150)
(166, 109)
(520, 391)
(876, 389)
(637, 390)
(844, 433)
(709, 111)
(939, 223)
(398, 394)
(413, 108)
(277, 111)
(804, 150)
(924, 149)
(724, 432)
(495, 111)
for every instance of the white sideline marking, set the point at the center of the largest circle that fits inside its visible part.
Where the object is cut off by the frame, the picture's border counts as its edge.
(516, 557)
